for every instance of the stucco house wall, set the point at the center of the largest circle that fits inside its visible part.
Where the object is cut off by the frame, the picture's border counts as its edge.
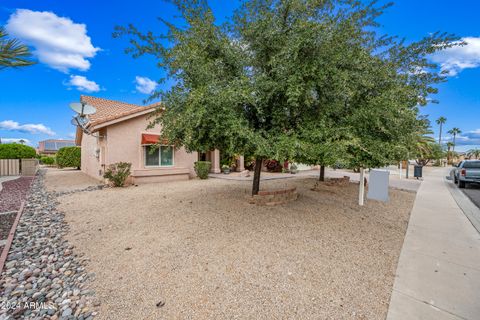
(117, 130)
(90, 163)
(124, 144)
(121, 142)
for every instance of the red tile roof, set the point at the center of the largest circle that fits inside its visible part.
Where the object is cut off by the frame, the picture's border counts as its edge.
(108, 110)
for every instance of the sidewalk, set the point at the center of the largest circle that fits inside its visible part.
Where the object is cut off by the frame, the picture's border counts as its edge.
(438, 274)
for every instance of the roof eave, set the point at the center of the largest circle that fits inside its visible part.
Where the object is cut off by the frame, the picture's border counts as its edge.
(97, 126)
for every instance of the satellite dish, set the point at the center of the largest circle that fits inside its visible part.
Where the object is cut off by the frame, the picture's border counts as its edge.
(82, 108)
(81, 122)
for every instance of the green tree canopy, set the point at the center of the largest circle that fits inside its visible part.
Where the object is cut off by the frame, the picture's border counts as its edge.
(289, 79)
(16, 151)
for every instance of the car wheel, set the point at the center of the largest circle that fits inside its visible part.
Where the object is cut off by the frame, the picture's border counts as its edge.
(461, 184)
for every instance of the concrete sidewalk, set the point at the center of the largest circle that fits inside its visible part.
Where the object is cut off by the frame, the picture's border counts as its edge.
(438, 274)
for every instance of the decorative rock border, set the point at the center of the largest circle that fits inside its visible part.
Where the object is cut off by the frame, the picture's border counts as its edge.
(44, 277)
(274, 197)
(9, 240)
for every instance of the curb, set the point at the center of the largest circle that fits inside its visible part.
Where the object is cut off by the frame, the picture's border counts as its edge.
(471, 211)
(6, 249)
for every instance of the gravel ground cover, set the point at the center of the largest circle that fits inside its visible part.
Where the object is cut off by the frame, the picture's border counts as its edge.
(6, 222)
(44, 278)
(197, 250)
(63, 181)
(13, 193)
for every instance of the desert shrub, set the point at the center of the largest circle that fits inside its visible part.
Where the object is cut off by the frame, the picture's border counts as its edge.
(47, 160)
(69, 157)
(117, 173)
(202, 168)
(16, 151)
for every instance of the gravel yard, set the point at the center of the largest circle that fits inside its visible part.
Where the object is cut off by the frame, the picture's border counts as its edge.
(197, 250)
(67, 180)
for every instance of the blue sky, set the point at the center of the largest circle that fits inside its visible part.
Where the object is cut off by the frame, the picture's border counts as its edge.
(77, 55)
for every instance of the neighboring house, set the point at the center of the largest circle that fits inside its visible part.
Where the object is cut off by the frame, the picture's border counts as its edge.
(119, 134)
(52, 146)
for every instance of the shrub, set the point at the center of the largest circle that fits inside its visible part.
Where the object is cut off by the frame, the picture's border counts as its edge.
(117, 173)
(69, 157)
(202, 168)
(47, 160)
(16, 151)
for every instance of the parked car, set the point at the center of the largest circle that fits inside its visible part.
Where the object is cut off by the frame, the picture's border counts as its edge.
(467, 171)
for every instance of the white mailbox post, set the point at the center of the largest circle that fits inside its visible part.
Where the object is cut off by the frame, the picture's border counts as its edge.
(378, 185)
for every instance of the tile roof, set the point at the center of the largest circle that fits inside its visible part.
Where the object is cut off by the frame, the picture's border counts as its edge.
(108, 110)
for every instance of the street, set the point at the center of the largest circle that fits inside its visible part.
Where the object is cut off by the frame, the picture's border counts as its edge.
(473, 192)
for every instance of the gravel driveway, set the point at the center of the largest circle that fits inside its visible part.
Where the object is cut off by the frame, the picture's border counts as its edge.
(197, 250)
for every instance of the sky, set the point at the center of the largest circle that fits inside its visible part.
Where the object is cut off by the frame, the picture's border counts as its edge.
(76, 53)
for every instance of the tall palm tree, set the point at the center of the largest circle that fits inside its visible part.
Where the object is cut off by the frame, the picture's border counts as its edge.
(13, 53)
(440, 121)
(454, 133)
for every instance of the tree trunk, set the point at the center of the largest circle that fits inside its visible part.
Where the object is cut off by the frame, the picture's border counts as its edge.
(256, 176)
(440, 135)
(321, 177)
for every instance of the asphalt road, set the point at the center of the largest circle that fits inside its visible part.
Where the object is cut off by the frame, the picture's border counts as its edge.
(473, 192)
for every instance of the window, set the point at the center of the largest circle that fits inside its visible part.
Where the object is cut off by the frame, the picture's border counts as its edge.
(159, 156)
(471, 164)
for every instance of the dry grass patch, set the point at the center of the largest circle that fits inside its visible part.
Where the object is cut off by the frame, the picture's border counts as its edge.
(202, 249)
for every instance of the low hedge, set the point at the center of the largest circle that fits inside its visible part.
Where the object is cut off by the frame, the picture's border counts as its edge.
(69, 157)
(202, 168)
(47, 160)
(16, 151)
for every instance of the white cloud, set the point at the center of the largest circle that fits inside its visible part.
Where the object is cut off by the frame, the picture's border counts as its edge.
(466, 138)
(71, 135)
(10, 125)
(456, 59)
(145, 85)
(83, 84)
(58, 41)
(16, 140)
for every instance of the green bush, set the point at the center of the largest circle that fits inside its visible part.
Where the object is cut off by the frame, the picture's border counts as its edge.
(47, 160)
(69, 157)
(16, 151)
(202, 168)
(117, 173)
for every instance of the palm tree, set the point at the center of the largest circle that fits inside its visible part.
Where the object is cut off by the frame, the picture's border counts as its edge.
(449, 153)
(13, 53)
(454, 132)
(473, 153)
(440, 121)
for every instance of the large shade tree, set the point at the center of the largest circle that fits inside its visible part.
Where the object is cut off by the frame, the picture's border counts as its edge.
(287, 79)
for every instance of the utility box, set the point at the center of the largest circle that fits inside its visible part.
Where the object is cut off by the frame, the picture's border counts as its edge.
(417, 171)
(378, 185)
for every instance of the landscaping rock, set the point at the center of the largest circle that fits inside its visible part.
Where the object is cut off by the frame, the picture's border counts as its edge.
(43, 277)
(245, 173)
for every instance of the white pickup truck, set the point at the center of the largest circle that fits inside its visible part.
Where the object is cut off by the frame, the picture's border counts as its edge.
(467, 171)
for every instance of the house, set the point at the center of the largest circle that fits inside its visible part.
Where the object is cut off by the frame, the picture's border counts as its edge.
(51, 146)
(117, 132)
